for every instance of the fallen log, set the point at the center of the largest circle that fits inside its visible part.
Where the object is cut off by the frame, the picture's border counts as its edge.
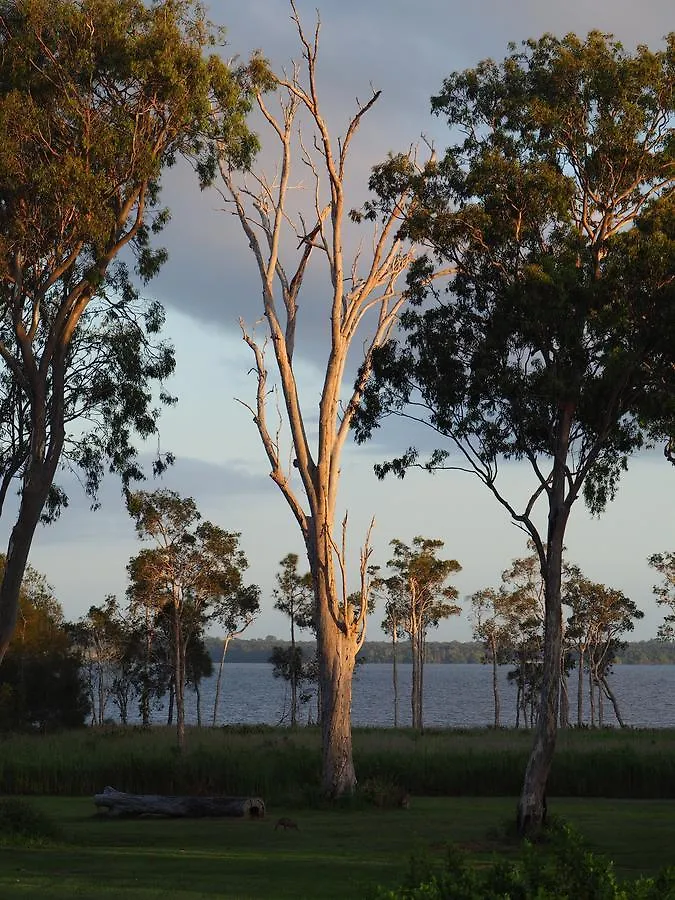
(119, 803)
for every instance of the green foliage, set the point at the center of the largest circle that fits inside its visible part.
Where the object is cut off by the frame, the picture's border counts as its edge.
(664, 563)
(96, 99)
(417, 598)
(41, 683)
(21, 824)
(553, 343)
(560, 867)
(192, 575)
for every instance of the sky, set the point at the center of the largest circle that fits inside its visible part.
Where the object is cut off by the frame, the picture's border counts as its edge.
(209, 282)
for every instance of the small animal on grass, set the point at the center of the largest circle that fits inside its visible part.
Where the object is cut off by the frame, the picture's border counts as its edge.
(286, 823)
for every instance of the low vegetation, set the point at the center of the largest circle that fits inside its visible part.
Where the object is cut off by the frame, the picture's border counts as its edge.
(282, 765)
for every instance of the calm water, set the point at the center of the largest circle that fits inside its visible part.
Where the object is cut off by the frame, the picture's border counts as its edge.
(458, 695)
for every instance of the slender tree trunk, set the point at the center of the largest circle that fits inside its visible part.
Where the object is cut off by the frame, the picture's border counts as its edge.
(145, 688)
(495, 686)
(601, 709)
(532, 806)
(416, 690)
(423, 653)
(591, 694)
(216, 701)
(564, 696)
(172, 697)
(294, 678)
(612, 699)
(580, 689)
(394, 643)
(519, 692)
(179, 681)
(199, 705)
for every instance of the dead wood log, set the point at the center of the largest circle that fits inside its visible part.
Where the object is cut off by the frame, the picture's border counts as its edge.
(119, 803)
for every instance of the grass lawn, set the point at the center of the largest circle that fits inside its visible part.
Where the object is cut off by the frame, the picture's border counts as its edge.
(336, 853)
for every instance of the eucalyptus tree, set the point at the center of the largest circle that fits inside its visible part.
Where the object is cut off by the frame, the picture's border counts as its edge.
(664, 563)
(96, 98)
(288, 230)
(599, 617)
(392, 624)
(554, 343)
(418, 598)
(294, 596)
(100, 637)
(192, 575)
(495, 626)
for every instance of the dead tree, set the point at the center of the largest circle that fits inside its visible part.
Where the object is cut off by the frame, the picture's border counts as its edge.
(364, 297)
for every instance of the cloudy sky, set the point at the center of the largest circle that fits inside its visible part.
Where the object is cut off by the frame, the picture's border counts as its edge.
(405, 50)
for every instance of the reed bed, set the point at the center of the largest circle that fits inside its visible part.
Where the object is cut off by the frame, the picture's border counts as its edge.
(283, 765)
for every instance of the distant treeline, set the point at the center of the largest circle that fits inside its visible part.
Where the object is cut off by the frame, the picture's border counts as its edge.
(259, 650)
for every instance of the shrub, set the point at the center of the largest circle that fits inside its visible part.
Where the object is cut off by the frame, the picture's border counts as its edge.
(560, 867)
(21, 823)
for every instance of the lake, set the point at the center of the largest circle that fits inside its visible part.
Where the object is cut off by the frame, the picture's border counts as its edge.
(455, 695)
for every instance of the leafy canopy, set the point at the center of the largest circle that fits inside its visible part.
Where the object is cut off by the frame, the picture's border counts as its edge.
(554, 340)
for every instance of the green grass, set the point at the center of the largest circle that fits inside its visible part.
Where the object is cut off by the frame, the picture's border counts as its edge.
(338, 853)
(458, 780)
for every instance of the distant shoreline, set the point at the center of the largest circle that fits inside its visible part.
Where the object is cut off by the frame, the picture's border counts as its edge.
(259, 650)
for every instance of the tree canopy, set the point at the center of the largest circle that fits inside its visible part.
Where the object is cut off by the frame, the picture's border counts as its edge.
(417, 597)
(554, 342)
(41, 682)
(191, 575)
(96, 97)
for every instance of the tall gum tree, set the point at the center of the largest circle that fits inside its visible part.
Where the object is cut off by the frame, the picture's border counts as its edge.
(96, 97)
(554, 343)
(363, 299)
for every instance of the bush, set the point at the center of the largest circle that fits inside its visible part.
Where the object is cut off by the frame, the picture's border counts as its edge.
(560, 867)
(21, 823)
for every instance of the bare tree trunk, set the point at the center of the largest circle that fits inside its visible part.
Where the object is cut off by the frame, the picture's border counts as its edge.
(179, 682)
(564, 701)
(337, 657)
(518, 703)
(199, 705)
(591, 694)
(495, 686)
(172, 697)
(580, 690)
(613, 701)
(144, 705)
(394, 643)
(416, 689)
(216, 701)
(294, 678)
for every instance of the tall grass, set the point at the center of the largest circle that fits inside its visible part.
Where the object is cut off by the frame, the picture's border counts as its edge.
(283, 765)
